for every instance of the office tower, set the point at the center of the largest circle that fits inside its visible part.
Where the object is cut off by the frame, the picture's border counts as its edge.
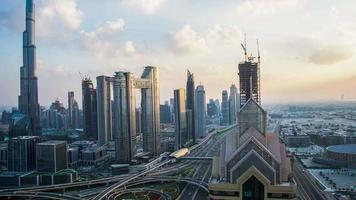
(89, 109)
(225, 108)
(255, 164)
(70, 109)
(200, 111)
(22, 153)
(5, 117)
(150, 101)
(190, 105)
(124, 115)
(165, 112)
(249, 73)
(217, 103)
(28, 99)
(181, 134)
(103, 92)
(51, 156)
(76, 118)
(212, 109)
(233, 105)
(57, 116)
(19, 125)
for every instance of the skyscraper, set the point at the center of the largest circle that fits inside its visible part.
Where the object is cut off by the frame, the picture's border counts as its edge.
(28, 99)
(124, 115)
(22, 153)
(89, 109)
(233, 104)
(225, 108)
(165, 113)
(51, 156)
(150, 101)
(190, 105)
(70, 109)
(249, 73)
(200, 112)
(181, 134)
(254, 162)
(104, 115)
(212, 109)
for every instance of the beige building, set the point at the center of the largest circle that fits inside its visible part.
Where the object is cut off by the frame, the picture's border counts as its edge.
(253, 164)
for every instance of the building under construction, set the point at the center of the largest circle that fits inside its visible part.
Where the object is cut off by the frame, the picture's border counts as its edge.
(249, 73)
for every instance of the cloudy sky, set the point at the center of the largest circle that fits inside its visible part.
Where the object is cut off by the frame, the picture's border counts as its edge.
(307, 46)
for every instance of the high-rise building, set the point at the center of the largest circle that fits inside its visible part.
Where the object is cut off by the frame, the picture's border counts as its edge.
(165, 113)
(254, 163)
(212, 109)
(104, 115)
(249, 73)
(200, 112)
(190, 105)
(76, 118)
(22, 153)
(19, 125)
(89, 109)
(181, 133)
(225, 108)
(51, 156)
(150, 101)
(217, 103)
(28, 99)
(70, 109)
(124, 115)
(234, 105)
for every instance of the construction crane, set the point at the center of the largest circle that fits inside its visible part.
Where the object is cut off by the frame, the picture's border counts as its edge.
(244, 47)
(258, 52)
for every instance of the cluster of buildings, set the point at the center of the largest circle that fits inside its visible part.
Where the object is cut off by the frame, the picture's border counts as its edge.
(253, 163)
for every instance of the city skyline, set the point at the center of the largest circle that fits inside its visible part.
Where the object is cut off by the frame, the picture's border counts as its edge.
(316, 68)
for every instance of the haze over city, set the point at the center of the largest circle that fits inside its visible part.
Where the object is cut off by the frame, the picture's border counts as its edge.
(307, 47)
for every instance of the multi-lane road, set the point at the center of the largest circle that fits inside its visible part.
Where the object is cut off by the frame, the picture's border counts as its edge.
(308, 188)
(207, 147)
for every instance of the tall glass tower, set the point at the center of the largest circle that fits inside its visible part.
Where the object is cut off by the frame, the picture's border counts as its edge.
(28, 99)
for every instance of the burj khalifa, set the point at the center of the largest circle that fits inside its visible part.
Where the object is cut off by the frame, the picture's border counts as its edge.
(28, 99)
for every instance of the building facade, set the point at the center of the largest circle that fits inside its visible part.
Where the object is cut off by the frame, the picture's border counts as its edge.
(181, 134)
(51, 156)
(28, 99)
(190, 106)
(200, 112)
(89, 109)
(225, 108)
(104, 115)
(22, 153)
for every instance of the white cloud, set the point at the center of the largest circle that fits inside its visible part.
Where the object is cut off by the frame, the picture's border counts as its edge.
(187, 40)
(111, 27)
(100, 41)
(148, 6)
(55, 18)
(129, 47)
(265, 7)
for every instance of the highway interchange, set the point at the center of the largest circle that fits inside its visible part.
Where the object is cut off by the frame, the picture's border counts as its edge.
(196, 184)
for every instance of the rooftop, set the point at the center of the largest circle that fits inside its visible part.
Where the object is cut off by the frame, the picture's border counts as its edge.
(343, 148)
(52, 142)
